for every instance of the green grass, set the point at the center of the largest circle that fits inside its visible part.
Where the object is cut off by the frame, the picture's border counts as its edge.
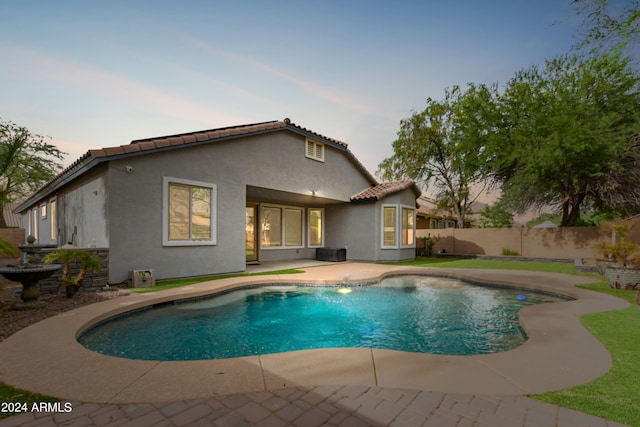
(9, 394)
(553, 267)
(615, 395)
(176, 283)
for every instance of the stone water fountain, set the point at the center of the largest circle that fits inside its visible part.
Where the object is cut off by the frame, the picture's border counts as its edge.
(29, 273)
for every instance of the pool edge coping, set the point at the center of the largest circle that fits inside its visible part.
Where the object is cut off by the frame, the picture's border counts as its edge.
(551, 359)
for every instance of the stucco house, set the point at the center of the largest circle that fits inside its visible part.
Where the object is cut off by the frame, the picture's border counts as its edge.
(210, 202)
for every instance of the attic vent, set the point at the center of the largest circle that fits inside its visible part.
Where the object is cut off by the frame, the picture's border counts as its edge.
(315, 150)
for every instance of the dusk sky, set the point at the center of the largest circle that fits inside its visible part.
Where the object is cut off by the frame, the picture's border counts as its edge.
(94, 74)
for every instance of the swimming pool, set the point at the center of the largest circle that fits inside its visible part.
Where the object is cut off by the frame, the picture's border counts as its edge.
(407, 313)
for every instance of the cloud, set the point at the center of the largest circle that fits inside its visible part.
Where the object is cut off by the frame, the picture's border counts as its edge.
(36, 65)
(327, 93)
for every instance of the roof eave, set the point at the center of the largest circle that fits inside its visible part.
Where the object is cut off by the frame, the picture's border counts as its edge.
(56, 184)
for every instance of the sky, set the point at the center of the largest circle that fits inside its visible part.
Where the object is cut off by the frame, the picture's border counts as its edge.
(93, 74)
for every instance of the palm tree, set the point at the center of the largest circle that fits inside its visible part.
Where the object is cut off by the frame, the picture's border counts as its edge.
(69, 257)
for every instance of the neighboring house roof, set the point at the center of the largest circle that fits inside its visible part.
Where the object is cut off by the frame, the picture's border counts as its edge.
(93, 158)
(425, 211)
(546, 224)
(380, 191)
(12, 220)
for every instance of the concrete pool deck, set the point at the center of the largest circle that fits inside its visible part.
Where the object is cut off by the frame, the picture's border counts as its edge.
(559, 353)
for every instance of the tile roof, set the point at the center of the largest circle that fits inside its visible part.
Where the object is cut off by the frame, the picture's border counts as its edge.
(12, 220)
(161, 142)
(141, 146)
(380, 191)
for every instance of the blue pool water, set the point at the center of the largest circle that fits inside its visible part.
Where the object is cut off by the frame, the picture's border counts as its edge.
(408, 313)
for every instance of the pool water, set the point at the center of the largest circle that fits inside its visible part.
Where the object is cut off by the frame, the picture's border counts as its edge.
(408, 313)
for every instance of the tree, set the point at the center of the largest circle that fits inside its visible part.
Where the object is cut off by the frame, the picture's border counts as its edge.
(429, 151)
(495, 216)
(566, 136)
(26, 163)
(607, 28)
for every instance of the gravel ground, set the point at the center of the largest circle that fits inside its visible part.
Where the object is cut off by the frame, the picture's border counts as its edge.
(12, 320)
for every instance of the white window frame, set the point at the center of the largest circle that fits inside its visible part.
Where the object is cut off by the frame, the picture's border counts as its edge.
(395, 225)
(36, 216)
(314, 150)
(413, 209)
(398, 208)
(283, 226)
(165, 212)
(322, 225)
(53, 222)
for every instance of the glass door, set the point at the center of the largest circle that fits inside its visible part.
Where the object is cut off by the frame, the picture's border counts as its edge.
(251, 232)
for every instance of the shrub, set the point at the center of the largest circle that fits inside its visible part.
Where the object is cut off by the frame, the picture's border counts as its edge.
(429, 243)
(510, 252)
(67, 257)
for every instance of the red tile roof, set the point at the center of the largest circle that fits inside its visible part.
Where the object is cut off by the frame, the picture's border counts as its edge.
(141, 146)
(380, 191)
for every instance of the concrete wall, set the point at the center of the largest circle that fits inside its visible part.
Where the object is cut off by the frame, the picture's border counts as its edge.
(569, 242)
(15, 236)
(634, 235)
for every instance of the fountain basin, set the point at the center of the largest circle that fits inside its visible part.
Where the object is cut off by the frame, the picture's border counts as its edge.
(29, 276)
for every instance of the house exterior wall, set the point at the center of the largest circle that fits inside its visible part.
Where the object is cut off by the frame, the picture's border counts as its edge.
(82, 212)
(273, 160)
(407, 199)
(80, 215)
(353, 227)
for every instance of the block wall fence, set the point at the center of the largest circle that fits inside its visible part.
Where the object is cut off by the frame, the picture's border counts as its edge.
(569, 242)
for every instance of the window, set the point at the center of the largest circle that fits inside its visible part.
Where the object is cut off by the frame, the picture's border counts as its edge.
(389, 226)
(314, 150)
(271, 227)
(54, 220)
(282, 226)
(316, 230)
(189, 209)
(34, 217)
(293, 227)
(408, 230)
(43, 211)
(398, 231)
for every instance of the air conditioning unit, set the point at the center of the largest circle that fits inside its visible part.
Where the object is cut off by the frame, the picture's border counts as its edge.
(141, 278)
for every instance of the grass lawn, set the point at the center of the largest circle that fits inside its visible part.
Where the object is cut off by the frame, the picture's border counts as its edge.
(553, 267)
(12, 395)
(614, 396)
